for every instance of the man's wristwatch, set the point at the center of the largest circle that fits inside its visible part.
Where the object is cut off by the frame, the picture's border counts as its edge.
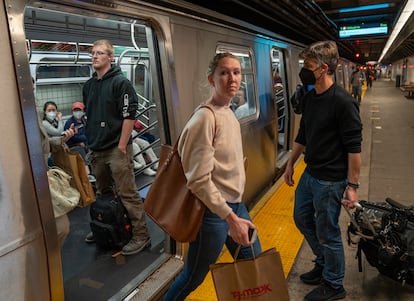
(353, 185)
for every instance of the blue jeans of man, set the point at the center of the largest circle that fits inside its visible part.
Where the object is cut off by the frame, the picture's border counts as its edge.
(205, 251)
(316, 214)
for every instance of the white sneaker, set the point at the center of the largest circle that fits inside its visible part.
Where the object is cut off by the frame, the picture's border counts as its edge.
(91, 178)
(137, 165)
(149, 172)
(155, 166)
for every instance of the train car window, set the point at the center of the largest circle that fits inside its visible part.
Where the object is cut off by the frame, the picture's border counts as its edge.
(49, 72)
(59, 67)
(280, 98)
(244, 103)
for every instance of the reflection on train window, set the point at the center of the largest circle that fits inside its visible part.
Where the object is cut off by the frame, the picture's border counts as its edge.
(48, 71)
(244, 102)
(280, 98)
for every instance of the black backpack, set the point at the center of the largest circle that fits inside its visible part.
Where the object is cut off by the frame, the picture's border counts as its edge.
(110, 224)
(386, 237)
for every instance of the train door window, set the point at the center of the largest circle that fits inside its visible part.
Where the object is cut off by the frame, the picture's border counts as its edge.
(280, 99)
(244, 103)
(340, 75)
(143, 83)
(59, 70)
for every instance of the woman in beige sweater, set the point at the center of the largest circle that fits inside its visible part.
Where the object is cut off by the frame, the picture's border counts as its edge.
(211, 152)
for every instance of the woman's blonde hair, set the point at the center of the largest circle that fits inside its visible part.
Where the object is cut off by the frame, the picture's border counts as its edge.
(216, 59)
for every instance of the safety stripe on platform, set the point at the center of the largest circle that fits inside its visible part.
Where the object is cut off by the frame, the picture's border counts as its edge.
(273, 216)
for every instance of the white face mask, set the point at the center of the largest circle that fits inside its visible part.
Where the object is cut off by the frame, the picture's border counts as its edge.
(51, 115)
(78, 114)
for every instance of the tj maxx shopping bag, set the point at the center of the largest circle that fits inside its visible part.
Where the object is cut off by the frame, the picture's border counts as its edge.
(258, 279)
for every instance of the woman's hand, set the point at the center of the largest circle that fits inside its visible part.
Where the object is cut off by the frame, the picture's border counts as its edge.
(239, 229)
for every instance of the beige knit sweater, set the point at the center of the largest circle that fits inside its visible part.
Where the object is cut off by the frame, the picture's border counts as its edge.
(211, 152)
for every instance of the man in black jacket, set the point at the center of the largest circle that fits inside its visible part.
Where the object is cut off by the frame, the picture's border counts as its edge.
(331, 131)
(111, 104)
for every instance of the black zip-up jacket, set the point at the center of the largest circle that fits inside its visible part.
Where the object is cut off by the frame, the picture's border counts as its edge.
(108, 101)
(330, 128)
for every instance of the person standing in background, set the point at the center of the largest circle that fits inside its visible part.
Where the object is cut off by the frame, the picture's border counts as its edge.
(369, 75)
(111, 105)
(331, 131)
(356, 80)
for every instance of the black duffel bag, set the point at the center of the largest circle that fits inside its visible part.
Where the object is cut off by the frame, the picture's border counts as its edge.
(386, 238)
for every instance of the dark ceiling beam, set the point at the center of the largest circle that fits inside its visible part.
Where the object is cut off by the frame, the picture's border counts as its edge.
(307, 21)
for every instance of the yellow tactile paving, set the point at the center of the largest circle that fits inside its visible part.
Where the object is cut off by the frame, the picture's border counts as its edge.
(273, 216)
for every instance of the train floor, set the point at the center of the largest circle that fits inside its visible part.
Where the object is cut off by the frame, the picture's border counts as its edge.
(93, 273)
(387, 171)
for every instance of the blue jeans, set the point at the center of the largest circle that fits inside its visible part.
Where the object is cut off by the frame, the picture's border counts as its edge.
(205, 251)
(316, 213)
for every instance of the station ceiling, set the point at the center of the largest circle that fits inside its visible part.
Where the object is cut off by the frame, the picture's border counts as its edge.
(308, 21)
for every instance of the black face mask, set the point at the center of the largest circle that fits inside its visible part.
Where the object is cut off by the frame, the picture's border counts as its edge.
(307, 77)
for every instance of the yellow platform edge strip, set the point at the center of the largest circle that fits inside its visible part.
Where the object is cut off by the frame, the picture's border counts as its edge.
(273, 216)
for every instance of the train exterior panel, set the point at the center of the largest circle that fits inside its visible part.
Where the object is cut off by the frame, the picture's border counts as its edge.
(29, 257)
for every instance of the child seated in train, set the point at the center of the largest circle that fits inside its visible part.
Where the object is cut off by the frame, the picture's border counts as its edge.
(139, 127)
(79, 142)
(243, 108)
(141, 149)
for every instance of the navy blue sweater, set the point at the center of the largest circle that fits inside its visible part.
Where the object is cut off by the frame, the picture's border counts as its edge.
(330, 128)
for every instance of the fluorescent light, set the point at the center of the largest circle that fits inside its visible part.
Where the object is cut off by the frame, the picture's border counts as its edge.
(405, 14)
(364, 7)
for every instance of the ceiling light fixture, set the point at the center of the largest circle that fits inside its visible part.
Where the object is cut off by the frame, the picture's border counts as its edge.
(364, 7)
(405, 14)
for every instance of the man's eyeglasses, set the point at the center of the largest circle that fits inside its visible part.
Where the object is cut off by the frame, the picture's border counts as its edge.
(98, 53)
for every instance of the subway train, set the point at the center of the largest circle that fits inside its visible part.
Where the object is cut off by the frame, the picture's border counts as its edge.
(163, 48)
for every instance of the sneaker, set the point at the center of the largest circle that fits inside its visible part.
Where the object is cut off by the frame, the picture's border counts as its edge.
(149, 172)
(325, 292)
(91, 178)
(137, 165)
(314, 276)
(90, 238)
(135, 246)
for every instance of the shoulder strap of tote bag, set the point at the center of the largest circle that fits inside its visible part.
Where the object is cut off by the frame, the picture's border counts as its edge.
(215, 123)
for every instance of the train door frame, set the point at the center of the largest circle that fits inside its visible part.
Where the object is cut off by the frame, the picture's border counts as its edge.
(56, 282)
(280, 93)
(50, 255)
